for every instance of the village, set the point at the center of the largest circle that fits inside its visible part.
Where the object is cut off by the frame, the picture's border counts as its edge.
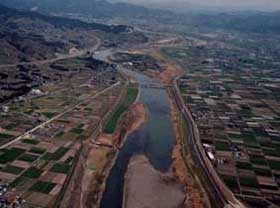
(238, 121)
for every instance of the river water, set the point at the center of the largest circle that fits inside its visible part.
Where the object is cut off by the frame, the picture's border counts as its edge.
(155, 139)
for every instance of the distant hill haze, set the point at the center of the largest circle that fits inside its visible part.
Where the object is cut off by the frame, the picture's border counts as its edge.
(216, 5)
(109, 8)
(95, 8)
(257, 22)
(174, 5)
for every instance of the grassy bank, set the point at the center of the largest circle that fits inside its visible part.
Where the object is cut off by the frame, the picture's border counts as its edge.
(131, 95)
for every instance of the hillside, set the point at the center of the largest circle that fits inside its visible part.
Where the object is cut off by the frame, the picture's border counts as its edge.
(26, 36)
(255, 22)
(30, 42)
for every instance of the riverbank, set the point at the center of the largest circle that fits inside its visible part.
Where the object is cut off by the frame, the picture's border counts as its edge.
(147, 188)
(170, 68)
(97, 159)
(196, 197)
(137, 115)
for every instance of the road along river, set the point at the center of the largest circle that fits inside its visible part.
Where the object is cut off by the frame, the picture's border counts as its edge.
(155, 139)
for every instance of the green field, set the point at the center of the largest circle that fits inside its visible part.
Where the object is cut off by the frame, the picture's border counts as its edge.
(49, 114)
(230, 181)
(256, 159)
(77, 130)
(18, 181)
(10, 155)
(32, 172)
(263, 172)
(131, 95)
(275, 165)
(60, 168)
(222, 146)
(37, 150)
(11, 126)
(244, 165)
(5, 138)
(12, 169)
(31, 141)
(28, 158)
(56, 155)
(43, 187)
(250, 182)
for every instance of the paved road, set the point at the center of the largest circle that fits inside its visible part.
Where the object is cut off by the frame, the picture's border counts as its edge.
(222, 195)
(56, 117)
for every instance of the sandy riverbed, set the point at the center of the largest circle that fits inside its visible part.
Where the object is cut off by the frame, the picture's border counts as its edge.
(147, 188)
(169, 71)
(137, 116)
(93, 168)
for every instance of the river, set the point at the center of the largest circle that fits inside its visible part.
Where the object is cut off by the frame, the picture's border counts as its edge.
(155, 139)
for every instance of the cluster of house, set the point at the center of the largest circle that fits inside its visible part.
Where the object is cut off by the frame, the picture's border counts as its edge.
(8, 198)
(239, 124)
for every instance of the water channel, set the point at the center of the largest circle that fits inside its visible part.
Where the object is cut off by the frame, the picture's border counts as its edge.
(155, 139)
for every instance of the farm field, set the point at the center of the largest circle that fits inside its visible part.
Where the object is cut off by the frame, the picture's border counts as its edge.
(130, 97)
(237, 116)
(38, 165)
